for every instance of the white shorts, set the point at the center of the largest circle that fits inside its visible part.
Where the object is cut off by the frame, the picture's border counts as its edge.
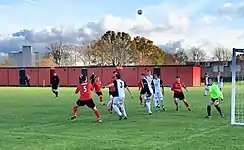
(158, 95)
(118, 100)
(220, 84)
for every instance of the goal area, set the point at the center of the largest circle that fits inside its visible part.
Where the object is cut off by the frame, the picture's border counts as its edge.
(237, 88)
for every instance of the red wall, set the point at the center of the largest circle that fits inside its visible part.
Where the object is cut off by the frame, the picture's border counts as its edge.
(44, 76)
(73, 76)
(4, 79)
(69, 76)
(63, 76)
(196, 74)
(34, 75)
(13, 75)
(168, 75)
(186, 75)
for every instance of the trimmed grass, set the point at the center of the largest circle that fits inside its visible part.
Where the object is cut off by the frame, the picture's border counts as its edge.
(32, 119)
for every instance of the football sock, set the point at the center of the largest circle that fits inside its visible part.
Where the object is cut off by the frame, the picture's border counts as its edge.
(116, 109)
(97, 113)
(75, 109)
(109, 105)
(155, 103)
(176, 103)
(186, 104)
(205, 92)
(162, 101)
(209, 110)
(56, 93)
(218, 109)
(101, 99)
(122, 108)
(140, 99)
(148, 106)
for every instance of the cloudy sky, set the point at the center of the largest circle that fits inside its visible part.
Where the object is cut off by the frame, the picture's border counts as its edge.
(170, 23)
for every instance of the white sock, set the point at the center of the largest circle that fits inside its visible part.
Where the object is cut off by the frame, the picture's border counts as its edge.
(205, 92)
(116, 109)
(109, 103)
(122, 107)
(148, 106)
(161, 101)
(155, 100)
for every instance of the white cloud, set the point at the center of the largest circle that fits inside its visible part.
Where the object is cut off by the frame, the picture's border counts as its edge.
(208, 20)
(172, 30)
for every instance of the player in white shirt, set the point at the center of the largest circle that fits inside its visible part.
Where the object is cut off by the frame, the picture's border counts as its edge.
(220, 81)
(158, 89)
(149, 77)
(206, 84)
(119, 96)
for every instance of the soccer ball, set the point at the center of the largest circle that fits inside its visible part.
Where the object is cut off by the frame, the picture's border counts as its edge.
(139, 12)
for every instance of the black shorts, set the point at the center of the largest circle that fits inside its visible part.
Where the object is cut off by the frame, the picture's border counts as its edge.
(54, 87)
(180, 96)
(99, 93)
(214, 99)
(110, 93)
(89, 103)
(142, 92)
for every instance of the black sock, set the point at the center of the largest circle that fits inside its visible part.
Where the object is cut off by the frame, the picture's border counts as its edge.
(56, 93)
(209, 110)
(218, 109)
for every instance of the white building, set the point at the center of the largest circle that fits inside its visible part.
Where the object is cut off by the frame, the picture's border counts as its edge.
(25, 58)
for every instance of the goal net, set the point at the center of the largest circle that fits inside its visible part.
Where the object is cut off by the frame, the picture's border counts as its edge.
(237, 93)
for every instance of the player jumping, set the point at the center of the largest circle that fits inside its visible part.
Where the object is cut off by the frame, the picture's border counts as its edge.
(119, 96)
(216, 96)
(220, 81)
(111, 89)
(85, 89)
(55, 84)
(206, 84)
(97, 86)
(147, 92)
(158, 89)
(178, 93)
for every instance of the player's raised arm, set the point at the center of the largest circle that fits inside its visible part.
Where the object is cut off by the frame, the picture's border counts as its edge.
(77, 89)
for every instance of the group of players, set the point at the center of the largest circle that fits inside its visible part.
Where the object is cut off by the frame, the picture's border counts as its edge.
(150, 87)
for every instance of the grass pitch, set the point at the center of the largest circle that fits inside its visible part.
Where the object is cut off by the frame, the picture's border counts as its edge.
(32, 119)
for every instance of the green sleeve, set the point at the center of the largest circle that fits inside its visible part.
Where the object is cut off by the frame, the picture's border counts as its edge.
(217, 91)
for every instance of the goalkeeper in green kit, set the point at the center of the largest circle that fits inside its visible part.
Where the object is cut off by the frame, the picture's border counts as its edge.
(216, 96)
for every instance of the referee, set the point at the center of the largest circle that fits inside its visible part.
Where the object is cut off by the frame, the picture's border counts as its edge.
(55, 84)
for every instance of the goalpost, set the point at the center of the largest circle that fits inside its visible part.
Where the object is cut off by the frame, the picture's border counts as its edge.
(237, 88)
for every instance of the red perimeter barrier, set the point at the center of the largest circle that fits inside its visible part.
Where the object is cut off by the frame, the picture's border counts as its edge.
(69, 76)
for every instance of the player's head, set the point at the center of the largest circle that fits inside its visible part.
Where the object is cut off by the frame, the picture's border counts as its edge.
(149, 72)
(206, 74)
(83, 79)
(156, 76)
(54, 74)
(114, 73)
(219, 72)
(143, 76)
(177, 78)
(118, 76)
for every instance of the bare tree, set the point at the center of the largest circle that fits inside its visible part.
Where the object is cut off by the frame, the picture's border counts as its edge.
(196, 54)
(222, 54)
(85, 51)
(57, 52)
(181, 57)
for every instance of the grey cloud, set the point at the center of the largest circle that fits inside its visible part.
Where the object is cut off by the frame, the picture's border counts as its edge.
(172, 46)
(232, 9)
(86, 33)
